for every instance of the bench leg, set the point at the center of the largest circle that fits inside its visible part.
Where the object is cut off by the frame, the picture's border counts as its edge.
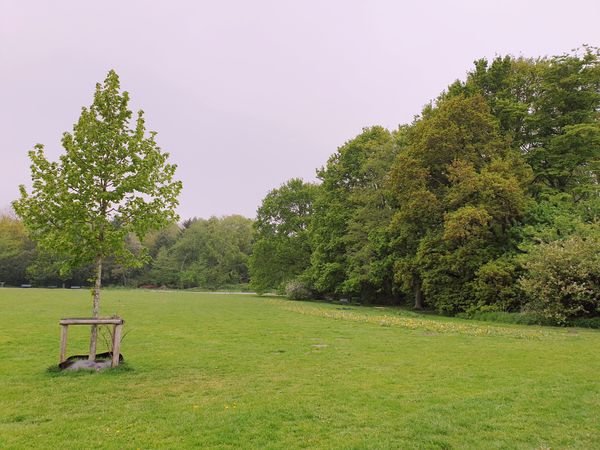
(116, 345)
(63, 342)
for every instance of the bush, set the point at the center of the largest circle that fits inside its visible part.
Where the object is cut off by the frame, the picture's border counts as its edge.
(298, 290)
(525, 318)
(562, 279)
(586, 322)
(495, 286)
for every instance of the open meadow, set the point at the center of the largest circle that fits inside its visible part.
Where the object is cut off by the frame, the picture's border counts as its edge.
(240, 371)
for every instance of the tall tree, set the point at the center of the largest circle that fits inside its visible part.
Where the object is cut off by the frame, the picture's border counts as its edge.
(352, 211)
(281, 250)
(566, 122)
(112, 180)
(549, 107)
(459, 190)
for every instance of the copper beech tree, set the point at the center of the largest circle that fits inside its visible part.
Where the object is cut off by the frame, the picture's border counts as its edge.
(112, 180)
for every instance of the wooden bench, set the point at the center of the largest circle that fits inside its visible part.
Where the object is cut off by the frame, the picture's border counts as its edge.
(116, 322)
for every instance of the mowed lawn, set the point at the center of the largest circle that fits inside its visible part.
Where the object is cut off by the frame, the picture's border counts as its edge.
(240, 371)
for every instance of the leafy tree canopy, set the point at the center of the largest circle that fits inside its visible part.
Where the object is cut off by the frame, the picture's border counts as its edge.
(282, 249)
(209, 254)
(112, 180)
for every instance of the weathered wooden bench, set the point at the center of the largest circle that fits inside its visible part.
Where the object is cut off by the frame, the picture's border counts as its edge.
(116, 322)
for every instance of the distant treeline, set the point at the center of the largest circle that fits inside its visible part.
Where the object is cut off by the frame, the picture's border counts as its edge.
(209, 253)
(488, 201)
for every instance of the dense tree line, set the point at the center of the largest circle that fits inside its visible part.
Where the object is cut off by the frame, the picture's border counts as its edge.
(488, 201)
(206, 253)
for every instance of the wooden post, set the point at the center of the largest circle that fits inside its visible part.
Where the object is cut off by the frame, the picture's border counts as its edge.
(116, 345)
(63, 342)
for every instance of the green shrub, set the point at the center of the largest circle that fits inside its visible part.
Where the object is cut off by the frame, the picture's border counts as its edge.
(496, 287)
(562, 279)
(586, 322)
(298, 290)
(527, 318)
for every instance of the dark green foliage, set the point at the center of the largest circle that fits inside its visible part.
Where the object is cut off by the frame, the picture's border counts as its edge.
(16, 251)
(495, 287)
(585, 322)
(162, 238)
(165, 269)
(44, 270)
(352, 212)
(459, 190)
(115, 272)
(510, 86)
(209, 254)
(282, 249)
(447, 210)
(549, 107)
(566, 121)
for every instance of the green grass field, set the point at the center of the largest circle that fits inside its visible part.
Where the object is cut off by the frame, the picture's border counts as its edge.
(239, 371)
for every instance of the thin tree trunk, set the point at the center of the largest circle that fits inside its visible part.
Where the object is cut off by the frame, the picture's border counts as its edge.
(96, 308)
(418, 296)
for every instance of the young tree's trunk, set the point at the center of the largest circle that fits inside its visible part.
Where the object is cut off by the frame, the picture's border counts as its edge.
(96, 308)
(418, 296)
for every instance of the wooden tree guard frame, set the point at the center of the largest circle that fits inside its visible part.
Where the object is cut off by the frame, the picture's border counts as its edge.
(116, 322)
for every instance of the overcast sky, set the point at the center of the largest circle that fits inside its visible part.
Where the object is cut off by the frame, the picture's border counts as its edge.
(248, 94)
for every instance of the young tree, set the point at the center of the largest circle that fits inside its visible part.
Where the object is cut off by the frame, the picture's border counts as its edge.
(112, 180)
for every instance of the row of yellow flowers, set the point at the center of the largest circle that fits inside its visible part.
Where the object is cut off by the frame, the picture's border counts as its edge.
(412, 323)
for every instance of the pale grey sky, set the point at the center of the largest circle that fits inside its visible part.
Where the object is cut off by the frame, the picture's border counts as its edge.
(247, 94)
